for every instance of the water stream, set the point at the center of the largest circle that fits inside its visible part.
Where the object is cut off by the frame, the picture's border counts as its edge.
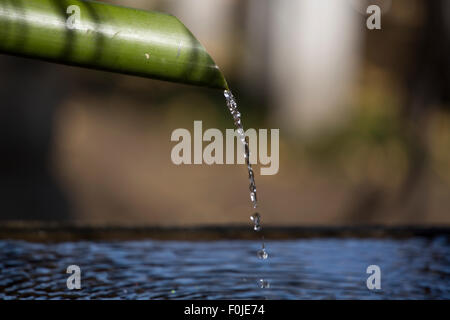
(256, 217)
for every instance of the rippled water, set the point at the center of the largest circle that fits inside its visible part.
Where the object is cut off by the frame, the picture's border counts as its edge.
(298, 269)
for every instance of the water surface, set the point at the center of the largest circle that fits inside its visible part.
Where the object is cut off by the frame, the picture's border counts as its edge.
(414, 268)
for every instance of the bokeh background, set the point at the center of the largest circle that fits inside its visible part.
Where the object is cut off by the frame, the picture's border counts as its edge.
(364, 119)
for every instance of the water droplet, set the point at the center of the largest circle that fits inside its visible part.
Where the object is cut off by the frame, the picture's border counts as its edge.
(253, 198)
(256, 218)
(241, 135)
(227, 94)
(262, 254)
(263, 283)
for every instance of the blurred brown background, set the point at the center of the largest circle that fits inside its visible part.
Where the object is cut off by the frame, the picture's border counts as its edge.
(363, 115)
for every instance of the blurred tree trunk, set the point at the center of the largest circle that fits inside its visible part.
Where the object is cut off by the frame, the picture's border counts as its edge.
(428, 86)
(30, 92)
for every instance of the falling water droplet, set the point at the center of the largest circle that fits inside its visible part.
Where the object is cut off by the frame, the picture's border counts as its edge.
(241, 134)
(256, 218)
(263, 283)
(262, 254)
(253, 198)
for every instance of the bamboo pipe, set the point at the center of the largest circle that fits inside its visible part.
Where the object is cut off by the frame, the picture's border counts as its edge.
(106, 37)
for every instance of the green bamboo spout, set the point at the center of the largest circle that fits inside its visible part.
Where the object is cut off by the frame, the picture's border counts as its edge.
(106, 37)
